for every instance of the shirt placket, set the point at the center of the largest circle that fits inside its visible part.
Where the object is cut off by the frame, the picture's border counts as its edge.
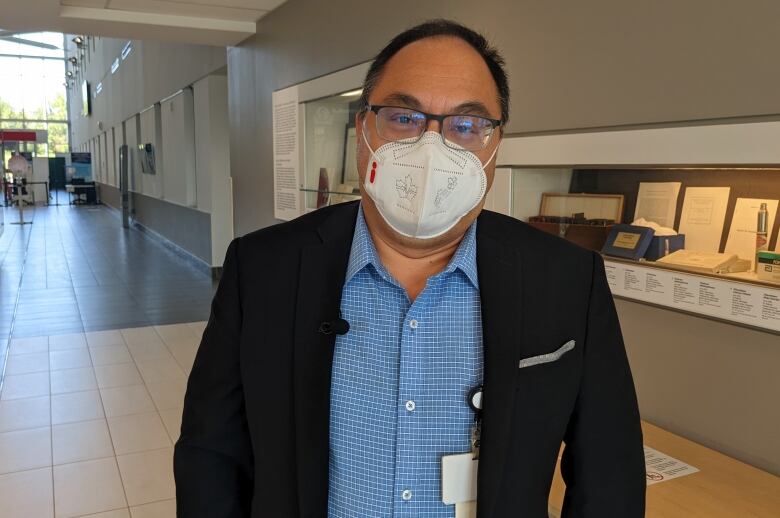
(408, 410)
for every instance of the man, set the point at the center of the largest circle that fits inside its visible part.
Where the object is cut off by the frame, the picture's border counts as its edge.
(342, 370)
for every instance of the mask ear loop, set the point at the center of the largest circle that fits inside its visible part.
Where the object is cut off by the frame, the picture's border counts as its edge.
(365, 139)
(492, 156)
(374, 159)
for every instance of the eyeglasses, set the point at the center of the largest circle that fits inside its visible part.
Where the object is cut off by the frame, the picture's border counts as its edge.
(469, 132)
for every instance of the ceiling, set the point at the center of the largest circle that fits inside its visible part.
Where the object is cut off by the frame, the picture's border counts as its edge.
(210, 22)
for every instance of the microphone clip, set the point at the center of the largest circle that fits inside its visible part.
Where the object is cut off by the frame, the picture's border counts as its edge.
(338, 326)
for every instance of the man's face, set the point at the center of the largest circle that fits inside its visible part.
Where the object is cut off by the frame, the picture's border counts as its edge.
(441, 75)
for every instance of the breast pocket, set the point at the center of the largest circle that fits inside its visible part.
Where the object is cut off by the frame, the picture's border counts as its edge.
(547, 383)
(548, 357)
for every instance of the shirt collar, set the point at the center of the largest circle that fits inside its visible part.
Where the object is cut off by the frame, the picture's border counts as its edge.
(364, 252)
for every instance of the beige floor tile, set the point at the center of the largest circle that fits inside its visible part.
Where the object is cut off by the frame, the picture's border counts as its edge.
(118, 375)
(19, 414)
(172, 421)
(36, 344)
(26, 363)
(110, 355)
(148, 351)
(198, 327)
(140, 335)
(164, 509)
(25, 449)
(87, 487)
(27, 494)
(168, 394)
(85, 440)
(25, 385)
(69, 359)
(160, 369)
(126, 400)
(184, 353)
(104, 338)
(138, 432)
(116, 513)
(176, 333)
(73, 380)
(76, 406)
(68, 341)
(148, 476)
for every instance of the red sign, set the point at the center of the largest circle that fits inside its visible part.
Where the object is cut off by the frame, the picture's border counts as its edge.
(17, 136)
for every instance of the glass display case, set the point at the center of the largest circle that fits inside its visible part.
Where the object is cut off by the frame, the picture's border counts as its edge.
(329, 171)
(712, 246)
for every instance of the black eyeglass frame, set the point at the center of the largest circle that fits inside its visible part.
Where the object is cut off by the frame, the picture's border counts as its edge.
(494, 123)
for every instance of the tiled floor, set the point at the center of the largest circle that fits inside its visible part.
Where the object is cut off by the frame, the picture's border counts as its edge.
(75, 269)
(88, 422)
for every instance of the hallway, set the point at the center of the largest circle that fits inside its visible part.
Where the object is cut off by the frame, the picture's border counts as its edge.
(99, 326)
(75, 269)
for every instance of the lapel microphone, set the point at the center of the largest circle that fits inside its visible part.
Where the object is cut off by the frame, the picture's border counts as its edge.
(338, 326)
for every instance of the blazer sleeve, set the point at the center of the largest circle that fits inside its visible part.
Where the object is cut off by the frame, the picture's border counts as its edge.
(213, 464)
(603, 461)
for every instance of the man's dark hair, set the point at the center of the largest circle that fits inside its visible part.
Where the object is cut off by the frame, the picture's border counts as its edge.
(433, 28)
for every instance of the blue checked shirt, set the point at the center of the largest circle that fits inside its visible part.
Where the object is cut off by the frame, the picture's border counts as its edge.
(401, 377)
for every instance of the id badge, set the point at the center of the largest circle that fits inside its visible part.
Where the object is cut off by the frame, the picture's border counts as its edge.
(459, 483)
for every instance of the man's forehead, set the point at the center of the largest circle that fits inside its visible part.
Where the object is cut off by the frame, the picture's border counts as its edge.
(441, 73)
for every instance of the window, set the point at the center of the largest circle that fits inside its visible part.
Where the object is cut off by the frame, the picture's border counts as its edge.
(32, 90)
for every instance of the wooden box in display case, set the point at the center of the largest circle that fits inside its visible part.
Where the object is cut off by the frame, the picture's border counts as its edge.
(583, 219)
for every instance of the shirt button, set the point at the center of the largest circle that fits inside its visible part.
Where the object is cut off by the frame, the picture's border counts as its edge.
(410, 406)
(406, 495)
(413, 324)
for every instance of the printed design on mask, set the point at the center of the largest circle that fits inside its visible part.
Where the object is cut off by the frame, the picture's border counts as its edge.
(443, 194)
(406, 188)
(459, 158)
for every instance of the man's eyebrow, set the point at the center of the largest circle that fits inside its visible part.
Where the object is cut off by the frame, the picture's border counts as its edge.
(472, 108)
(403, 100)
(409, 101)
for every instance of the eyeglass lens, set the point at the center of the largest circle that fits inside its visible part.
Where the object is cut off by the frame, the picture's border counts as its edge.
(462, 131)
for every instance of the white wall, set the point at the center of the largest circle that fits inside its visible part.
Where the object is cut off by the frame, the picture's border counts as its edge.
(152, 71)
(111, 156)
(178, 146)
(202, 114)
(132, 141)
(212, 161)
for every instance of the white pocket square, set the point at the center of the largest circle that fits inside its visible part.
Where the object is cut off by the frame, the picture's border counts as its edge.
(549, 357)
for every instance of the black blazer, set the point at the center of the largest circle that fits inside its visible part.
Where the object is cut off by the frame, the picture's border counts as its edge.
(254, 436)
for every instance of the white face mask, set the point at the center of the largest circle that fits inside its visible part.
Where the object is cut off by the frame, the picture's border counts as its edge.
(424, 188)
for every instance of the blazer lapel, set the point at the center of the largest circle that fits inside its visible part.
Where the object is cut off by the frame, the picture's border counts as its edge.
(500, 273)
(320, 283)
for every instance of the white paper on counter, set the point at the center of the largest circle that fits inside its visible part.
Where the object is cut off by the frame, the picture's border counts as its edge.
(657, 201)
(742, 234)
(703, 215)
(661, 467)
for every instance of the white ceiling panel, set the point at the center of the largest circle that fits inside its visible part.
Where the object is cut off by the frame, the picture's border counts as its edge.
(97, 4)
(262, 5)
(187, 9)
(210, 22)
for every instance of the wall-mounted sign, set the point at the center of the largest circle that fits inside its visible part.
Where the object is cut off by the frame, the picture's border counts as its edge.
(286, 160)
